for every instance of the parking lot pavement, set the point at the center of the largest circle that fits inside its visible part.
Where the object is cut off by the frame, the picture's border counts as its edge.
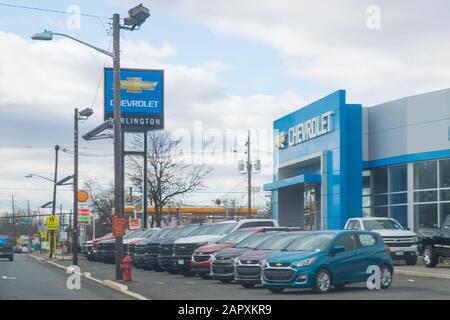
(165, 286)
(441, 271)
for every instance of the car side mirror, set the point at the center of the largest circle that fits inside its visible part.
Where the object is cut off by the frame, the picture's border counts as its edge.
(337, 249)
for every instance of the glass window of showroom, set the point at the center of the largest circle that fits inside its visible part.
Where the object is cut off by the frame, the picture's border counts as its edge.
(385, 192)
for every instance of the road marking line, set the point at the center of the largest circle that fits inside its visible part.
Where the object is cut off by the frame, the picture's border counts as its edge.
(9, 278)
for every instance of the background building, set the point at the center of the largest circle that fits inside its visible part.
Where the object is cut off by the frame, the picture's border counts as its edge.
(334, 160)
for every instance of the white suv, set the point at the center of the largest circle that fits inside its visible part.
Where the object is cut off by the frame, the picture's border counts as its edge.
(402, 242)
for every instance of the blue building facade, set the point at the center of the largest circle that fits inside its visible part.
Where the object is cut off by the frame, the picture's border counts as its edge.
(334, 160)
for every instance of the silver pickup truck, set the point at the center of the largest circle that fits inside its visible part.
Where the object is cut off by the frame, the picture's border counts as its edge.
(402, 243)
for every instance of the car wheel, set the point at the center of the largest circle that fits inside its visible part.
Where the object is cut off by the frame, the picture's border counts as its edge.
(276, 290)
(225, 280)
(429, 258)
(322, 283)
(411, 262)
(385, 277)
(204, 276)
(248, 285)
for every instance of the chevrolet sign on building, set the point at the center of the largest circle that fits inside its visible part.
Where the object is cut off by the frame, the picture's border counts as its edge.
(141, 99)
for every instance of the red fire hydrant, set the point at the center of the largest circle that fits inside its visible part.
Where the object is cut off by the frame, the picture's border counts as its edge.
(126, 268)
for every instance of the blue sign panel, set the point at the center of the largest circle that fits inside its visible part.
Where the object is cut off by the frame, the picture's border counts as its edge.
(141, 98)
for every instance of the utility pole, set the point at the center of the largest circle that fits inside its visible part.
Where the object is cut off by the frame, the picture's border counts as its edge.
(75, 190)
(14, 219)
(249, 177)
(55, 179)
(145, 185)
(118, 150)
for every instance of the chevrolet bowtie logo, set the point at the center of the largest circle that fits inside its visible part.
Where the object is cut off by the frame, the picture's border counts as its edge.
(280, 140)
(278, 264)
(136, 85)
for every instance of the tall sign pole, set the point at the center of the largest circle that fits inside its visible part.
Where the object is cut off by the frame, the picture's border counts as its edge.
(75, 191)
(118, 150)
(145, 183)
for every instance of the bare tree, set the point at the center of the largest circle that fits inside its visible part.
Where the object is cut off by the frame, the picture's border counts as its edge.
(169, 177)
(101, 201)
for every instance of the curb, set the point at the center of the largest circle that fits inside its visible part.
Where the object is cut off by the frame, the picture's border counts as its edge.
(422, 274)
(107, 283)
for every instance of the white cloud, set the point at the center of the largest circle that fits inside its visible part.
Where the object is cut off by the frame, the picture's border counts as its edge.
(328, 44)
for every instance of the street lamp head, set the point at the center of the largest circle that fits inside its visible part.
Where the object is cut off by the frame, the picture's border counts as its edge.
(137, 16)
(86, 113)
(46, 36)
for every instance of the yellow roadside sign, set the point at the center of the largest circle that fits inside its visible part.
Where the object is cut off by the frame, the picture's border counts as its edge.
(52, 223)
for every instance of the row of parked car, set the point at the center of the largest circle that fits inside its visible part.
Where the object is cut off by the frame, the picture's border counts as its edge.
(252, 252)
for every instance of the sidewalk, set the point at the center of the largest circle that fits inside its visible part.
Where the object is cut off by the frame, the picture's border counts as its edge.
(92, 271)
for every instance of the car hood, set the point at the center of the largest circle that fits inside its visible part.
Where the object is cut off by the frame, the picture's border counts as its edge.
(103, 239)
(200, 239)
(215, 247)
(257, 254)
(129, 241)
(395, 233)
(291, 257)
(136, 241)
(107, 241)
(231, 253)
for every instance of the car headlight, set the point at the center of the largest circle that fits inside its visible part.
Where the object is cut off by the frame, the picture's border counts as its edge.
(236, 261)
(416, 239)
(304, 263)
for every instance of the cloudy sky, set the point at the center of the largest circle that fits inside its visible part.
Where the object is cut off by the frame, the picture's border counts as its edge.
(229, 66)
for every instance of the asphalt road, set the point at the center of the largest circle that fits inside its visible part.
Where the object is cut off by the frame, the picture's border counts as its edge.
(161, 285)
(29, 279)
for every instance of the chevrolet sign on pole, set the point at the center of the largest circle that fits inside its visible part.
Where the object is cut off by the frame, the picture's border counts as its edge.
(141, 99)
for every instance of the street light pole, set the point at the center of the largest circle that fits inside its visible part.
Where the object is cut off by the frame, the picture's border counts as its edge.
(117, 133)
(137, 16)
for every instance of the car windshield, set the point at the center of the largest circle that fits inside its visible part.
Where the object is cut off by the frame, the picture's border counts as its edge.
(381, 224)
(148, 233)
(166, 233)
(253, 241)
(214, 229)
(132, 234)
(187, 230)
(311, 242)
(278, 242)
(236, 237)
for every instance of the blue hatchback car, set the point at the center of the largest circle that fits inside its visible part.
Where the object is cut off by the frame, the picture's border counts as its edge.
(322, 259)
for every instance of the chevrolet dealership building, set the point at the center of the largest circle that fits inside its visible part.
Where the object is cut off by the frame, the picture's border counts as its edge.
(334, 160)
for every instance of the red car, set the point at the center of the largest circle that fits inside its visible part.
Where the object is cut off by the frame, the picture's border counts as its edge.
(201, 259)
(93, 256)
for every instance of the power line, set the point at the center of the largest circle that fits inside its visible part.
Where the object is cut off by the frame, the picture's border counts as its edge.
(51, 10)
